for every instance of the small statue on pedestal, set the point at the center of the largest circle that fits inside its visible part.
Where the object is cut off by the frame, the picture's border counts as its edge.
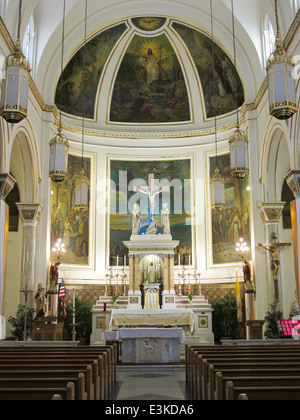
(40, 302)
(165, 219)
(247, 277)
(136, 219)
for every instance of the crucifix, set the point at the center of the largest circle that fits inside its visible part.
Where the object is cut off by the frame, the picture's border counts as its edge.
(26, 293)
(274, 248)
(151, 191)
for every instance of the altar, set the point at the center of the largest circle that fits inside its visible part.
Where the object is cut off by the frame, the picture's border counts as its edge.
(152, 318)
(148, 345)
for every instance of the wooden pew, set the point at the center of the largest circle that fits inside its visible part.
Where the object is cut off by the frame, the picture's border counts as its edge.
(48, 373)
(207, 384)
(260, 380)
(57, 366)
(109, 354)
(47, 382)
(197, 365)
(290, 393)
(37, 394)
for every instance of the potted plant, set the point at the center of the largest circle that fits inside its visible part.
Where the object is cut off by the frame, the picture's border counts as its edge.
(18, 322)
(273, 315)
(83, 320)
(224, 317)
(190, 296)
(114, 298)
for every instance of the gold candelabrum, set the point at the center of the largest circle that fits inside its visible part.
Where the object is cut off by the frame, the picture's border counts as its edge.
(111, 277)
(189, 278)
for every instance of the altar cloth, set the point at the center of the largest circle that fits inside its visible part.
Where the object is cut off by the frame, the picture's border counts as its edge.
(124, 333)
(151, 318)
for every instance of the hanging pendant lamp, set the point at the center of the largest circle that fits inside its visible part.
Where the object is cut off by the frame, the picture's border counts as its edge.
(217, 184)
(14, 91)
(238, 142)
(281, 84)
(82, 182)
(59, 145)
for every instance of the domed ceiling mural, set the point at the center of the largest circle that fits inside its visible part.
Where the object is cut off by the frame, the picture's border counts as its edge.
(150, 84)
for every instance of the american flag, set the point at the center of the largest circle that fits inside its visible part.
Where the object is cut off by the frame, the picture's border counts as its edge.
(62, 300)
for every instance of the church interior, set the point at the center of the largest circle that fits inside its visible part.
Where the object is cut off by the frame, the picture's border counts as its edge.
(149, 199)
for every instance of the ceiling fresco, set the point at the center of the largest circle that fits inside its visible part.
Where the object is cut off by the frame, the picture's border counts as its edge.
(150, 83)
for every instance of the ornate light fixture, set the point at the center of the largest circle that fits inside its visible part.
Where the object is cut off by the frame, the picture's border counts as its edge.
(82, 182)
(281, 85)
(14, 92)
(238, 142)
(217, 185)
(59, 145)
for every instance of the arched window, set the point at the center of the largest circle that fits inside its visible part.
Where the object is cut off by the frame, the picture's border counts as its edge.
(269, 38)
(28, 41)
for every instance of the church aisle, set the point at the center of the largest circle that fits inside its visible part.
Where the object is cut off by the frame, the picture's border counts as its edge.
(150, 383)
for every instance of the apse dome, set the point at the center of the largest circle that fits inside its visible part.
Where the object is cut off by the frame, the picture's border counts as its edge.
(148, 72)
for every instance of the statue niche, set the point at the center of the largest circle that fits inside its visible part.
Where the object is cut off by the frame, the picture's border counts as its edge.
(151, 270)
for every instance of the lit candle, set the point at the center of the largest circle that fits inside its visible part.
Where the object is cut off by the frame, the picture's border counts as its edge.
(124, 261)
(117, 261)
(179, 260)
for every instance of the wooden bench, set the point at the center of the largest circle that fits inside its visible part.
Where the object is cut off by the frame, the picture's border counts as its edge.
(38, 394)
(48, 382)
(207, 382)
(260, 380)
(48, 373)
(263, 393)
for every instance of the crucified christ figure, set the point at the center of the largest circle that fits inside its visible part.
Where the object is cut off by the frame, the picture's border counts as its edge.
(274, 248)
(151, 191)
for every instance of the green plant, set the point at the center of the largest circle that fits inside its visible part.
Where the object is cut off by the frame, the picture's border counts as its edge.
(273, 315)
(83, 319)
(190, 295)
(114, 298)
(224, 317)
(18, 322)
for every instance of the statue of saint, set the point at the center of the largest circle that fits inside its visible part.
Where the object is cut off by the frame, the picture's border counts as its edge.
(247, 277)
(53, 277)
(136, 219)
(40, 302)
(165, 219)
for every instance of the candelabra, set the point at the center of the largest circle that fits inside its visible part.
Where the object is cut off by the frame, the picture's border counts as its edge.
(110, 277)
(188, 276)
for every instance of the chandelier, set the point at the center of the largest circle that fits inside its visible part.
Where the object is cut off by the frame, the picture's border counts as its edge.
(82, 182)
(238, 142)
(14, 92)
(217, 184)
(59, 145)
(281, 85)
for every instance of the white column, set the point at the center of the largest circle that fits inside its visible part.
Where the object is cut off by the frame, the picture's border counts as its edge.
(30, 215)
(6, 184)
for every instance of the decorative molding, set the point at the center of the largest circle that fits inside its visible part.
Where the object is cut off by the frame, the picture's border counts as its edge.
(293, 181)
(271, 212)
(7, 183)
(30, 213)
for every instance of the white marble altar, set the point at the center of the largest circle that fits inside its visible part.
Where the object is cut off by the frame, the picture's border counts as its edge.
(149, 345)
(152, 317)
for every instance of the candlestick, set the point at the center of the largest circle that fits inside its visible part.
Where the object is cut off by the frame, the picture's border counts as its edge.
(124, 262)
(117, 261)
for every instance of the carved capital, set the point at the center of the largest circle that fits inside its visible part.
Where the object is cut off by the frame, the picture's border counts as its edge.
(30, 213)
(7, 183)
(271, 212)
(293, 181)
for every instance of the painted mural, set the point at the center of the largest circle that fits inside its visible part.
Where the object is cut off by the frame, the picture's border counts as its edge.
(125, 175)
(67, 222)
(77, 88)
(221, 84)
(148, 23)
(233, 222)
(150, 86)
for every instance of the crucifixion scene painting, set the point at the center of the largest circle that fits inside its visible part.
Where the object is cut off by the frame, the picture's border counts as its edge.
(158, 193)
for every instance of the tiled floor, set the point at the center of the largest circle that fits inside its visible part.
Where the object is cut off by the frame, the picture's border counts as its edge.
(150, 383)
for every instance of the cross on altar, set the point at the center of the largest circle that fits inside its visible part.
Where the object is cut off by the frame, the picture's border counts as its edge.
(151, 190)
(26, 293)
(274, 248)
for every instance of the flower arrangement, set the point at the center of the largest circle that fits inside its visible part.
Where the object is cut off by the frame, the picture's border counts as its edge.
(190, 295)
(114, 298)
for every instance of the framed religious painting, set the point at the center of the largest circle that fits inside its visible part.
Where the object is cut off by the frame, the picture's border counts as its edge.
(69, 223)
(227, 226)
(125, 175)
